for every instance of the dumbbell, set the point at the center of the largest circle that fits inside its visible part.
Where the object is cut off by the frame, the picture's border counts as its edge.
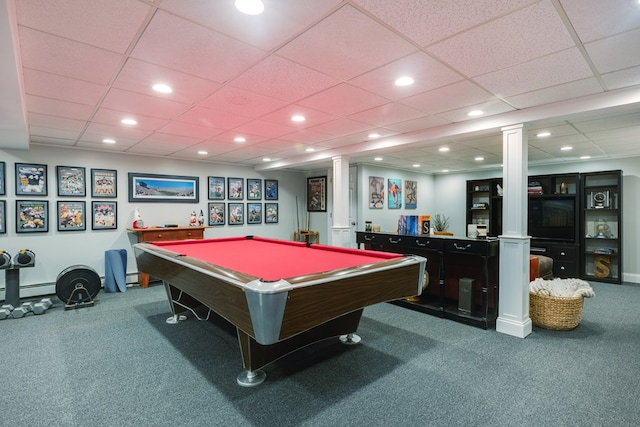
(42, 306)
(21, 311)
(5, 311)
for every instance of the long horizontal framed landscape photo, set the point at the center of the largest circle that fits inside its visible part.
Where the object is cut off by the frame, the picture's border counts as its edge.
(163, 188)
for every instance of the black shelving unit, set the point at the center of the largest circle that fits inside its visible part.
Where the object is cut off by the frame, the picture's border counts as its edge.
(601, 243)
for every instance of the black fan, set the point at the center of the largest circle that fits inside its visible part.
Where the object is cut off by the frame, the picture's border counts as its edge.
(77, 286)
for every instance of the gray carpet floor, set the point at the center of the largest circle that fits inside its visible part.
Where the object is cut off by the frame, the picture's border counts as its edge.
(119, 364)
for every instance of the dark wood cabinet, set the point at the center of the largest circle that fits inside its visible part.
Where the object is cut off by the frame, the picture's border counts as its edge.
(450, 260)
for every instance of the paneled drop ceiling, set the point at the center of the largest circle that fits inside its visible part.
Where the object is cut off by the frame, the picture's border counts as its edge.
(71, 70)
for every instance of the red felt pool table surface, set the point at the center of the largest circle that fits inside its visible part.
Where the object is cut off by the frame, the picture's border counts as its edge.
(270, 259)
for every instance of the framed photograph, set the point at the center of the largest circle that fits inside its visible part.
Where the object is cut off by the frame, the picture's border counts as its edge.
(71, 216)
(71, 181)
(216, 214)
(317, 194)
(236, 213)
(104, 215)
(254, 213)
(31, 179)
(270, 213)
(104, 183)
(411, 194)
(3, 178)
(163, 188)
(254, 189)
(216, 188)
(376, 192)
(394, 190)
(3, 217)
(236, 189)
(271, 189)
(32, 216)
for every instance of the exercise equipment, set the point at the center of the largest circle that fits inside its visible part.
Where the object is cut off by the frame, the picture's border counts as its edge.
(5, 260)
(24, 258)
(77, 286)
(9, 311)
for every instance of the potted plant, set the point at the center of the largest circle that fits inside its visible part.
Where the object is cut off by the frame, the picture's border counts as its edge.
(441, 225)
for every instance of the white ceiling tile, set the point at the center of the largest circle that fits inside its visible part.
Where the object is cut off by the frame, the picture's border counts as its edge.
(114, 117)
(264, 128)
(139, 76)
(106, 24)
(341, 126)
(63, 88)
(280, 20)
(387, 114)
(56, 107)
(98, 131)
(345, 44)
(426, 72)
(622, 79)
(551, 70)
(519, 37)
(52, 140)
(135, 103)
(242, 102)
(178, 44)
(46, 121)
(611, 54)
(282, 79)
(428, 21)
(489, 108)
(421, 123)
(343, 100)
(596, 19)
(556, 93)
(56, 133)
(190, 130)
(68, 58)
(448, 98)
(215, 119)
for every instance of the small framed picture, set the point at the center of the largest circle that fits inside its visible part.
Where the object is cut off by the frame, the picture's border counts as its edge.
(216, 214)
(31, 179)
(216, 188)
(32, 216)
(3, 179)
(254, 189)
(71, 181)
(236, 188)
(317, 194)
(394, 191)
(270, 213)
(3, 217)
(71, 216)
(410, 194)
(271, 189)
(254, 213)
(236, 213)
(104, 183)
(104, 215)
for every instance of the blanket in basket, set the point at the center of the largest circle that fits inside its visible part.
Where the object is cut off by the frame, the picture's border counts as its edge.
(561, 288)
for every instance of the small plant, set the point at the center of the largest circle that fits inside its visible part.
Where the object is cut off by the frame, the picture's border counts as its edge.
(440, 222)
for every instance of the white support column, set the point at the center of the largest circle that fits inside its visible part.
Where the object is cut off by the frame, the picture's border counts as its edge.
(513, 308)
(340, 228)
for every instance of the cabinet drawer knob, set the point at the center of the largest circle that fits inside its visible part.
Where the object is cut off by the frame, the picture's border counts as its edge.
(562, 253)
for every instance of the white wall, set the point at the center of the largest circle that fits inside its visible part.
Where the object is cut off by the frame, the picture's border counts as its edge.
(56, 250)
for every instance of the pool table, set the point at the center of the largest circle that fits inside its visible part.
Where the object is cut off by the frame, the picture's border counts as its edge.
(280, 295)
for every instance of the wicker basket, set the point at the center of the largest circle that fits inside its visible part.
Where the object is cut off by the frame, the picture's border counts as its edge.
(557, 313)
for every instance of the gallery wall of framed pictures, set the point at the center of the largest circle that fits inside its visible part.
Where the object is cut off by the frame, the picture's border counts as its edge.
(233, 200)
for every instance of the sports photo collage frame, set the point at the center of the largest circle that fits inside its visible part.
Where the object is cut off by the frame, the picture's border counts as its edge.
(227, 195)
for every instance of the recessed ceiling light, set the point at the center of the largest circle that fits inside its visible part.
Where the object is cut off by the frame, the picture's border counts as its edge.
(586, 157)
(475, 113)
(543, 134)
(298, 118)
(128, 122)
(566, 148)
(239, 139)
(109, 141)
(202, 152)
(250, 7)
(162, 88)
(266, 159)
(404, 81)
(479, 159)
(445, 170)
(310, 150)
(416, 165)
(443, 149)
(377, 159)
(373, 135)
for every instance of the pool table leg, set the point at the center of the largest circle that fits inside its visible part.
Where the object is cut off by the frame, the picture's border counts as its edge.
(256, 355)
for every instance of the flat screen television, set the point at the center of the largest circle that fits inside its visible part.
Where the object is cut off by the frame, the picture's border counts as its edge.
(552, 219)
